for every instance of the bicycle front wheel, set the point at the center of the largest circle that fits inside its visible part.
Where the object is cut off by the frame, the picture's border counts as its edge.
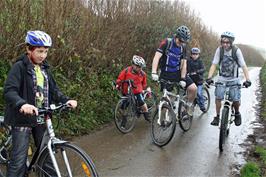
(162, 131)
(207, 99)
(71, 160)
(223, 127)
(125, 115)
(185, 120)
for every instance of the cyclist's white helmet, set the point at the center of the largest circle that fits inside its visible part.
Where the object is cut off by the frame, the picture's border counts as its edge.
(195, 50)
(139, 61)
(228, 35)
(38, 38)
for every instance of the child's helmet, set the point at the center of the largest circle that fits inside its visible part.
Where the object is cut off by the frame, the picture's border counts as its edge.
(183, 33)
(228, 35)
(38, 38)
(139, 61)
(195, 50)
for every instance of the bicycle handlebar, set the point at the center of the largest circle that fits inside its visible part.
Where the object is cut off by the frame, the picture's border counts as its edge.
(53, 108)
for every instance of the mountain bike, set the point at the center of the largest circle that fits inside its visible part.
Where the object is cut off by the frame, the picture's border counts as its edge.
(54, 157)
(227, 115)
(127, 110)
(171, 108)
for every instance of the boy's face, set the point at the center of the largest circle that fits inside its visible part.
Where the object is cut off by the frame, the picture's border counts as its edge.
(38, 54)
(194, 56)
(225, 42)
(136, 68)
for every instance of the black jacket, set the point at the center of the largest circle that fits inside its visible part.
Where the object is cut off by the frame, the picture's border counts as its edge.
(197, 67)
(19, 90)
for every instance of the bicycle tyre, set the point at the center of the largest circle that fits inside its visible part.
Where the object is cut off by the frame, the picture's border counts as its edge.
(151, 101)
(124, 112)
(160, 135)
(5, 147)
(185, 120)
(79, 162)
(207, 98)
(223, 127)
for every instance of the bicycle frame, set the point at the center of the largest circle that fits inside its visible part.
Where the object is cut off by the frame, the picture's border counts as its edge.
(229, 104)
(48, 141)
(167, 100)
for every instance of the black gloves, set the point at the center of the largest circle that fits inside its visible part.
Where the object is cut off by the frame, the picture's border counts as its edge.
(247, 83)
(209, 81)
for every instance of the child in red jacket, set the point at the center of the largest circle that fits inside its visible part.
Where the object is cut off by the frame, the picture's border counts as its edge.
(139, 78)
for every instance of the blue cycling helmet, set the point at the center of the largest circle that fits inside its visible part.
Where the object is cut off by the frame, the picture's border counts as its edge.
(183, 33)
(228, 35)
(195, 50)
(38, 38)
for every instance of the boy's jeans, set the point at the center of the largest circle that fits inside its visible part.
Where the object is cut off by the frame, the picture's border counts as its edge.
(200, 99)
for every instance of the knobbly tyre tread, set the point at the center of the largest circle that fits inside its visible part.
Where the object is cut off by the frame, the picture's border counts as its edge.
(172, 126)
(208, 98)
(117, 118)
(223, 127)
(181, 115)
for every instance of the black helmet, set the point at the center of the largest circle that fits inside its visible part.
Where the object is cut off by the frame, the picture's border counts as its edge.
(183, 33)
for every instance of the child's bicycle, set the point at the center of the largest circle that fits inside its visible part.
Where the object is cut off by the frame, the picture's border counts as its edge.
(127, 110)
(206, 97)
(171, 108)
(54, 157)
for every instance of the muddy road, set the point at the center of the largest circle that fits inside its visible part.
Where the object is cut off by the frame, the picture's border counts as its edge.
(193, 153)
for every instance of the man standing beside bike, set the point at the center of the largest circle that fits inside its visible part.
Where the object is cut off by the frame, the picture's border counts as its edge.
(171, 55)
(229, 58)
(139, 78)
(196, 70)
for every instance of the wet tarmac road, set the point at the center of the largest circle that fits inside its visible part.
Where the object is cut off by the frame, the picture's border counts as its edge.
(193, 153)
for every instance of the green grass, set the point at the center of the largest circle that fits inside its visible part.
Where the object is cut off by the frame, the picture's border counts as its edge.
(262, 153)
(251, 169)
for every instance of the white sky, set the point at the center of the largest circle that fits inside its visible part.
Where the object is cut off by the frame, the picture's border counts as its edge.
(245, 18)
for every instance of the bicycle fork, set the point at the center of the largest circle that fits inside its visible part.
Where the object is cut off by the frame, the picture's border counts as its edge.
(159, 112)
(52, 152)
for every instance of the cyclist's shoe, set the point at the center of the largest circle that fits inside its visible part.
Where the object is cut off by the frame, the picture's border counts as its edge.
(190, 109)
(147, 116)
(238, 119)
(204, 110)
(123, 122)
(215, 121)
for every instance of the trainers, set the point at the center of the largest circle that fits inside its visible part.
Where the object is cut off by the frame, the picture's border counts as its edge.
(237, 119)
(123, 122)
(204, 110)
(190, 109)
(147, 116)
(215, 121)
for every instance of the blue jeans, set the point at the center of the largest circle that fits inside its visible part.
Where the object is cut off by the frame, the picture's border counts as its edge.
(19, 152)
(200, 97)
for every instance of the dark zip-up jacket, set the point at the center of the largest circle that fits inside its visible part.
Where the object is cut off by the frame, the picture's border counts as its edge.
(19, 90)
(197, 67)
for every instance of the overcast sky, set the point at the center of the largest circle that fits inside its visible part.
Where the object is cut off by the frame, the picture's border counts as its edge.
(245, 18)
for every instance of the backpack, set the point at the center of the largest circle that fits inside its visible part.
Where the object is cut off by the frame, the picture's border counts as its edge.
(234, 56)
(170, 64)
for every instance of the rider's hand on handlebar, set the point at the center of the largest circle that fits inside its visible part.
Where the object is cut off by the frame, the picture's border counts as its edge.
(182, 83)
(72, 103)
(247, 83)
(28, 109)
(209, 81)
(154, 77)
